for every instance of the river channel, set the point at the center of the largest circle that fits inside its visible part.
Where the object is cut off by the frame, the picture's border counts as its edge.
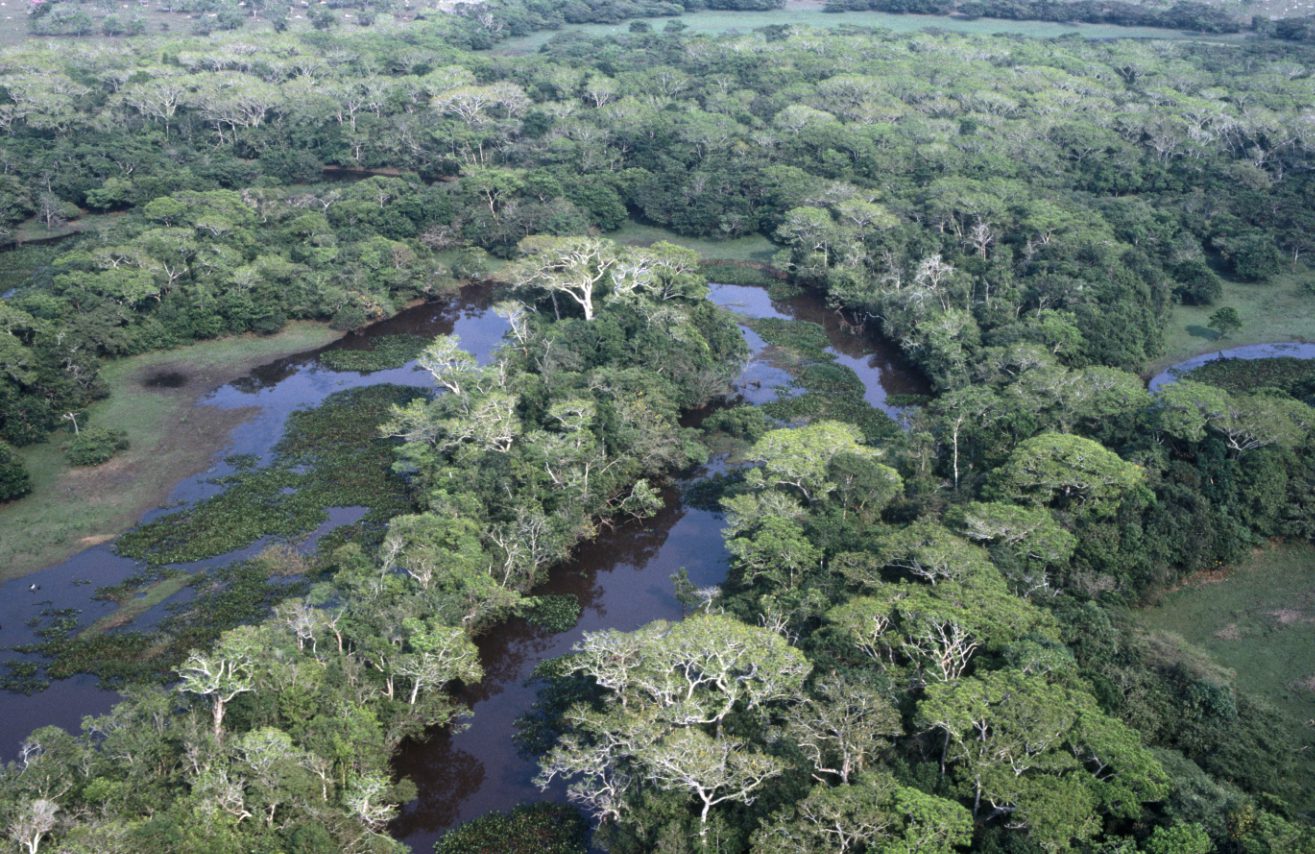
(622, 579)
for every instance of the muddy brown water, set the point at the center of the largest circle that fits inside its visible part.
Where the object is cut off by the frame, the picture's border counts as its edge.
(622, 579)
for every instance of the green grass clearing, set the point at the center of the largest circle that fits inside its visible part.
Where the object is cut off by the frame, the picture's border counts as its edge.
(1273, 311)
(755, 247)
(35, 231)
(71, 509)
(810, 13)
(1258, 621)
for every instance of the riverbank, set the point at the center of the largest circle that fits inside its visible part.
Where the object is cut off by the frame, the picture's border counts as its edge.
(71, 509)
(1270, 312)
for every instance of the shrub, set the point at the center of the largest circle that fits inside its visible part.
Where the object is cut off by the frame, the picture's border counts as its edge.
(527, 829)
(1197, 284)
(14, 480)
(95, 445)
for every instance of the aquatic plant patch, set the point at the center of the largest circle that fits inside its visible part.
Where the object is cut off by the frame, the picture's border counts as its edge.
(384, 353)
(821, 388)
(330, 456)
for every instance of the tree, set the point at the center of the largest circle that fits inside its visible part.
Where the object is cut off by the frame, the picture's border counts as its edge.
(664, 686)
(777, 551)
(369, 800)
(1067, 471)
(715, 770)
(575, 267)
(800, 458)
(223, 674)
(960, 414)
(696, 671)
(841, 725)
(926, 550)
(439, 654)
(1187, 410)
(1040, 754)
(1031, 536)
(875, 813)
(1179, 839)
(933, 631)
(33, 823)
(14, 479)
(863, 486)
(430, 548)
(1225, 321)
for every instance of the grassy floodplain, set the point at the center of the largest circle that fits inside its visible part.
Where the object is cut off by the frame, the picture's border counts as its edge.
(1271, 311)
(753, 248)
(809, 13)
(73, 508)
(1258, 620)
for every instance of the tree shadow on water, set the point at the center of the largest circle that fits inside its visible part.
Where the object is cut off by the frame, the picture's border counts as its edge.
(444, 775)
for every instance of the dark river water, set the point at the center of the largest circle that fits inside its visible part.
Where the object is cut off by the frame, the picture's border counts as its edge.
(622, 579)
(275, 390)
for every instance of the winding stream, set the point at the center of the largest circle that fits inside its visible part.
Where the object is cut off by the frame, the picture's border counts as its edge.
(622, 579)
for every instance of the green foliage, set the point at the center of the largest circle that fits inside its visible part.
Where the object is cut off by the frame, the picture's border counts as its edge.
(556, 613)
(1293, 376)
(14, 479)
(1067, 472)
(528, 829)
(385, 352)
(801, 458)
(1225, 321)
(329, 457)
(95, 445)
(917, 646)
(1179, 839)
(741, 422)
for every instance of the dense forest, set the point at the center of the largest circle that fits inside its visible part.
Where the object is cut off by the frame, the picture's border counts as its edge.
(924, 641)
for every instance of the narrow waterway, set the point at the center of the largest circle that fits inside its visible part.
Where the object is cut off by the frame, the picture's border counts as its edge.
(623, 580)
(1282, 350)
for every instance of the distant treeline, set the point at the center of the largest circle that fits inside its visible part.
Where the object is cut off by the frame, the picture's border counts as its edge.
(1291, 29)
(1181, 16)
(497, 18)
